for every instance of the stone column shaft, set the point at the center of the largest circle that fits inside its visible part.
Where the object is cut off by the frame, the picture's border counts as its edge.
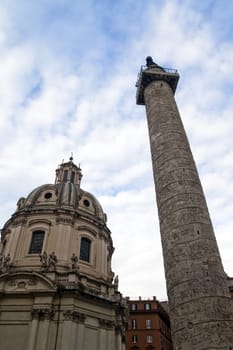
(118, 341)
(33, 333)
(80, 337)
(199, 300)
(111, 340)
(74, 332)
(44, 332)
(45, 316)
(66, 335)
(103, 339)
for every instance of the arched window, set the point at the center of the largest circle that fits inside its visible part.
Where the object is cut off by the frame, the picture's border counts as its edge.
(72, 177)
(36, 242)
(85, 249)
(65, 175)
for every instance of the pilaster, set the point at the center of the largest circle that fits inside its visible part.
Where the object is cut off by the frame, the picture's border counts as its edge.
(33, 329)
(45, 319)
(81, 329)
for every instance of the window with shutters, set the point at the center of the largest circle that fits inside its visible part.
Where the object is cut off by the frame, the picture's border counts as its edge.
(134, 324)
(134, 339)
(149, 339)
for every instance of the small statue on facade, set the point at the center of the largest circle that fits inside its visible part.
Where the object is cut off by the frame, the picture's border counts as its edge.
(20, 203)
(74, 260)
(52, 261)
(7, 261)
(116, 282)
(1, 260)
(44, 260)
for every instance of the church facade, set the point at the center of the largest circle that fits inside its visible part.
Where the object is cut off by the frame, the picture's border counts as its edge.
(57, 288)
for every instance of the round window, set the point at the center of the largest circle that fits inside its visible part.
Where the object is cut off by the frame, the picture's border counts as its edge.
(48, 195)
(86, 202)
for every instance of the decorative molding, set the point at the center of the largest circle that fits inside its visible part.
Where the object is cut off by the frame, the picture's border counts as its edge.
(64, 221)
(39, 221)
(19, 222)
(106, 324)
(32, 282)
(87, 229)
(22, 283)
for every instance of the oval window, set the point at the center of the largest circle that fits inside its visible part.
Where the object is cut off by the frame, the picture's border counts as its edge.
(86, 202)
(48, 195)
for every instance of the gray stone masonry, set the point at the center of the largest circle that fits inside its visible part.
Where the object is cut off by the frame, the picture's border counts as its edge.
(201, 310)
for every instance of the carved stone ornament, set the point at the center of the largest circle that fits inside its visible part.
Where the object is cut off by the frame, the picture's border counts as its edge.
(19, 222)
(118, 329)
(42, 314)
(68, 315)
(79, 317)
(106, 324)
(35, 314)
(65, 221)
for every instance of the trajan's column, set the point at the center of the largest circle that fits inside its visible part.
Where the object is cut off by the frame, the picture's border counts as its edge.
(199, 300)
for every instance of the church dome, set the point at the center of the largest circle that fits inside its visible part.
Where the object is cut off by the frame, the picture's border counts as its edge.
(65, 223)
(64, 194)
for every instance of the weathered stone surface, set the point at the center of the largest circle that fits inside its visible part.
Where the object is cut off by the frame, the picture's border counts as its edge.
(200, 305)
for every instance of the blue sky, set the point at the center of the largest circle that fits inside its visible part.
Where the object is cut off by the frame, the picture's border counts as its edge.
(68, 71)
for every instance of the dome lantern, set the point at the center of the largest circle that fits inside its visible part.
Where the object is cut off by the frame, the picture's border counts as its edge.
(69, 172)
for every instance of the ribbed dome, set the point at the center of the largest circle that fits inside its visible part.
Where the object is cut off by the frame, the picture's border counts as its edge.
(64, 194)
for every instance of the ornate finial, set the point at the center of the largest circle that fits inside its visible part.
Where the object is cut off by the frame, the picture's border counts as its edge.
(71, 157)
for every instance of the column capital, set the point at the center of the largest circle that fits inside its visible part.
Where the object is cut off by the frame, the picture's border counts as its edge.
(106, 324)
(42, 314)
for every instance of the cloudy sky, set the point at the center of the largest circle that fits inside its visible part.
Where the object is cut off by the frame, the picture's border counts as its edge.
(67, 84)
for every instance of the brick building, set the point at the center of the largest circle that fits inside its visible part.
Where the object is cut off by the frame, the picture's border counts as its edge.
(148, 325)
